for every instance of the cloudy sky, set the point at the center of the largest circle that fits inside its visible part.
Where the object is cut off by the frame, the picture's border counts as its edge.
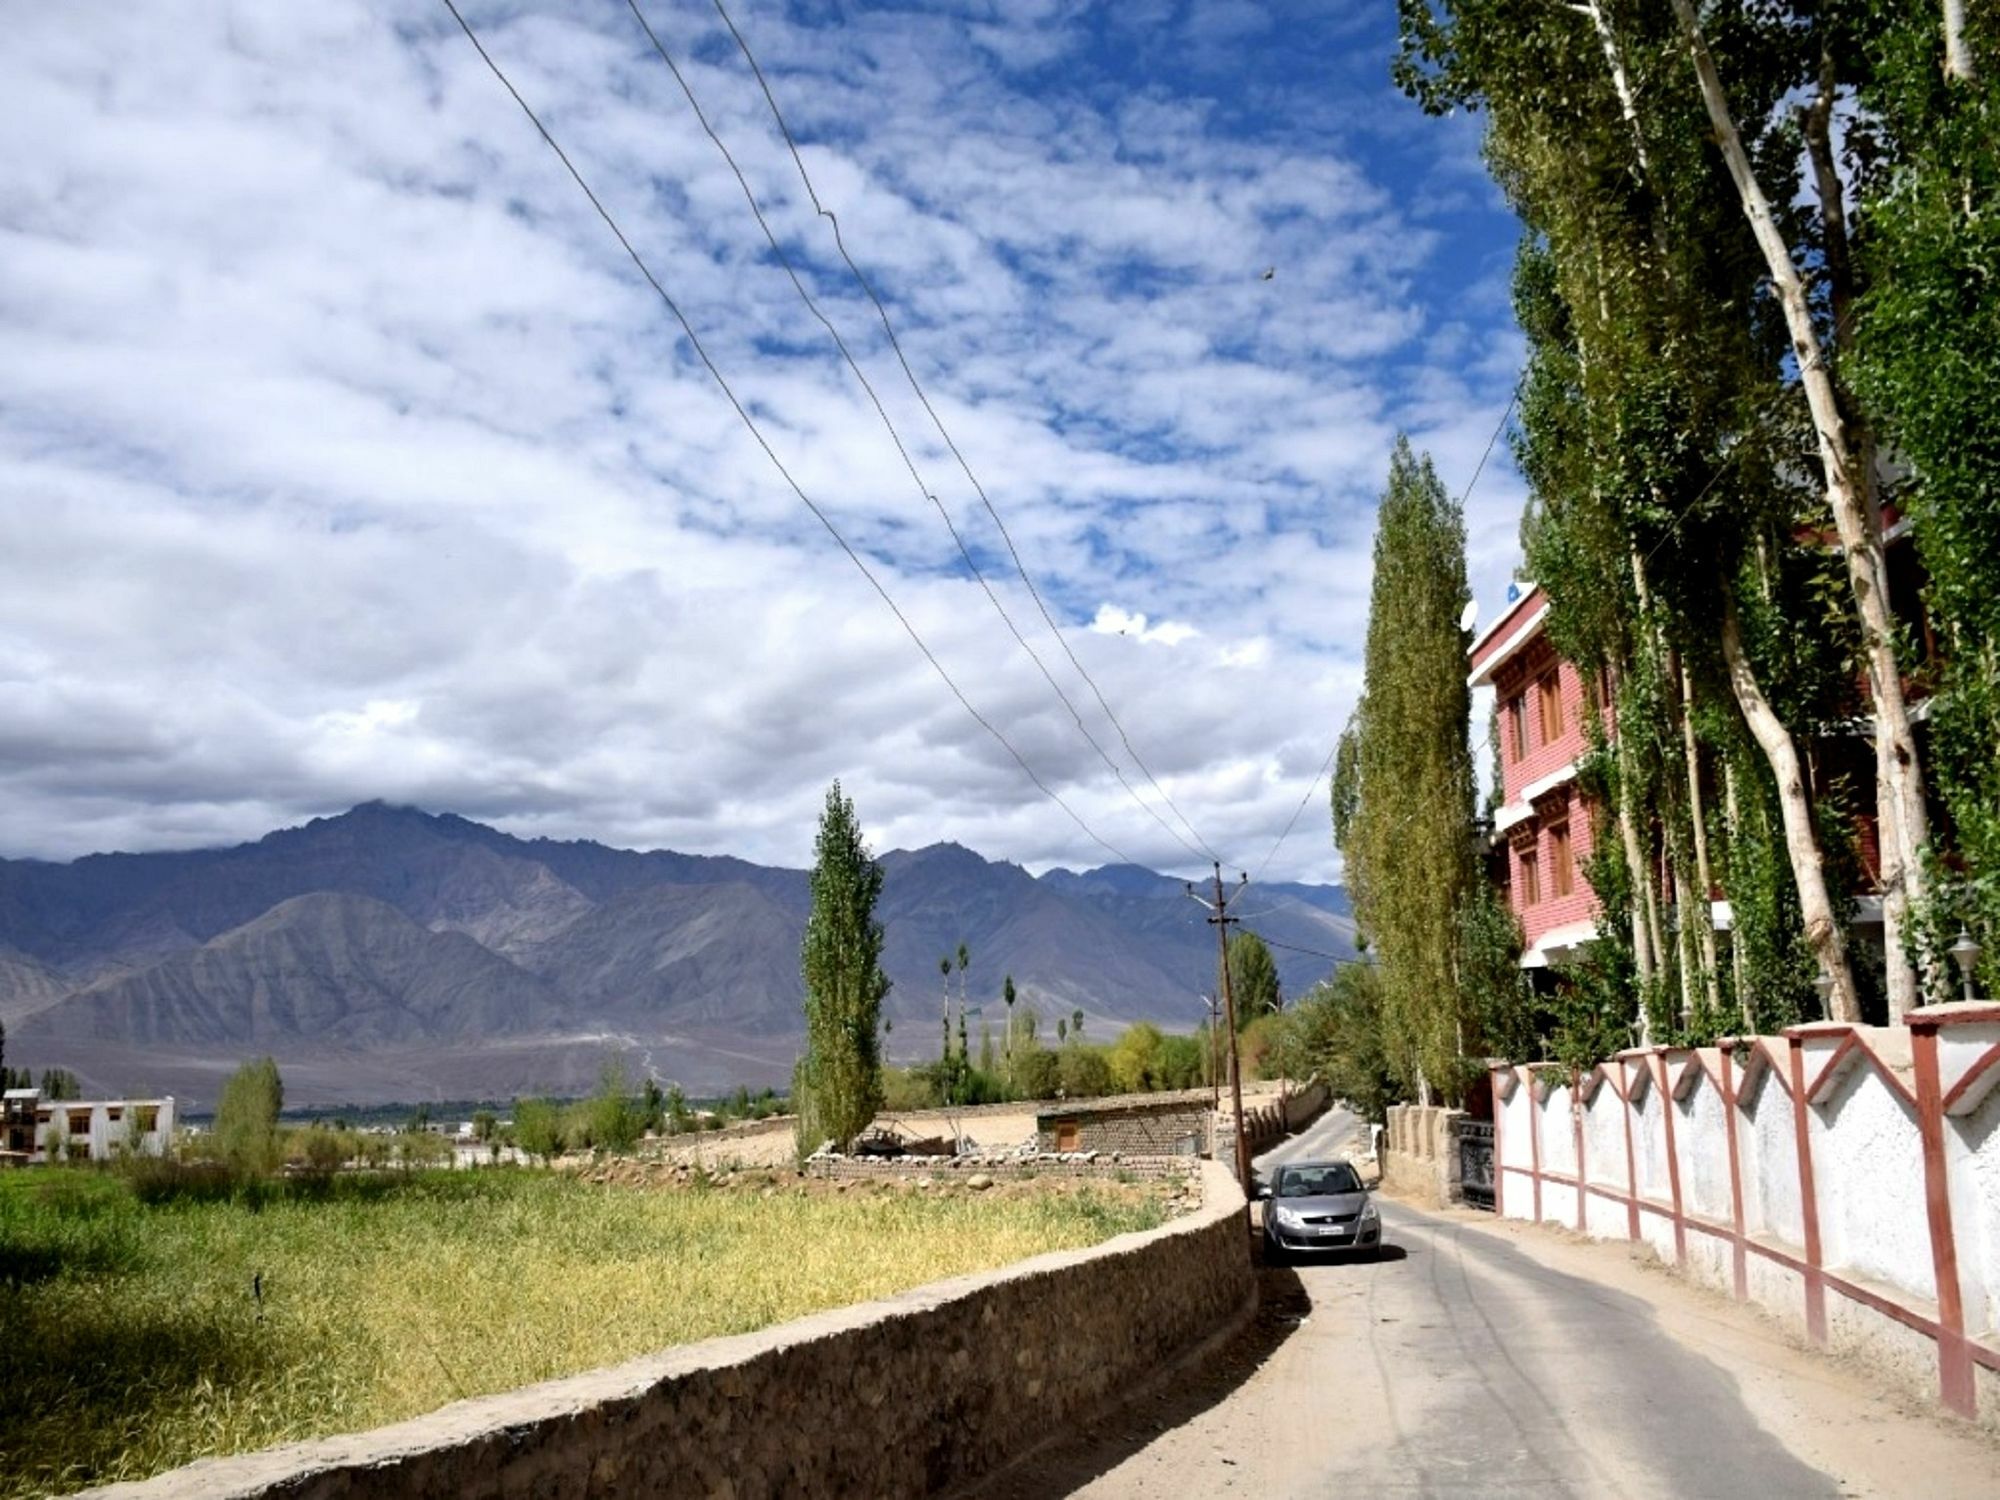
(344, 454)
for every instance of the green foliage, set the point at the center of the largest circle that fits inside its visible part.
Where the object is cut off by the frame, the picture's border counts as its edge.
(131, 1340)
(1135, 1060)
(246, 1118)
(1403, 786)
(1499, 1004)
(614, 1120)
(322, 1150)
(538, 1128)
(1337, 1029)
(1928, 363)
(1034, 1072)
(1253, 978)
(837, 1087)
(1083, 1072)
(60, 1083)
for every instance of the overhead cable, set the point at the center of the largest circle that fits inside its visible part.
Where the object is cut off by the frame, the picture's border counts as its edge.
(895, 436)
(687, 328)
(944, 433)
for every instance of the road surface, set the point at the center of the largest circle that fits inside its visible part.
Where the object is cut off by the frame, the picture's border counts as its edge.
(1476, 1358)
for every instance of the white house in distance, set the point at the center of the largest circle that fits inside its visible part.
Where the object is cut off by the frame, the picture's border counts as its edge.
(91, 1129)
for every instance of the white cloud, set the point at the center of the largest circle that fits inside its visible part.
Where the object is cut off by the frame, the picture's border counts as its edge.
(342, 453)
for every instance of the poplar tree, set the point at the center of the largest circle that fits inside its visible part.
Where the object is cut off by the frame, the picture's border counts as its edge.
(1403, 786)
(838, 1083)
(1927, 362)
(1253, 976)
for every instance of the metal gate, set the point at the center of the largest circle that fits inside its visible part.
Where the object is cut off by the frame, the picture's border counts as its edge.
(1475, 1162)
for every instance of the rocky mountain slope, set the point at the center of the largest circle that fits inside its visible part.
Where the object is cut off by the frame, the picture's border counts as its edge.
(389, 953)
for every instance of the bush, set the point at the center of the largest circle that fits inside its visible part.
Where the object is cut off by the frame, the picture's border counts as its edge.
(246, 1119)
(321, 1150)
(538, 1128)
(1083, 1073)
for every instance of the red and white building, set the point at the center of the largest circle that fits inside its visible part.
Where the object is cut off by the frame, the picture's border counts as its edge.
(1542, 823)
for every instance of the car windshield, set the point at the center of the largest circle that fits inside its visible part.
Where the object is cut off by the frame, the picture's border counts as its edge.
(1317, 1182)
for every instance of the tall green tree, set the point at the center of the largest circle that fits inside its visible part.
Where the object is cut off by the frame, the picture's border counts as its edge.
(1403, 785)
(837, 1087)
(1927, 362)
(1253, 979)
(246, 1117)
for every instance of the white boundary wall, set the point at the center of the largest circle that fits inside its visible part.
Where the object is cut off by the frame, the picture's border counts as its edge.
(1847, 1178)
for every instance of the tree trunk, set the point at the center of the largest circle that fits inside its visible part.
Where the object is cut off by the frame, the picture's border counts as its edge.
(1704, 927)
(1621, 83)
(1684, 939)
(1957, 55)
(1826, 935)
(1744, 999)
(1900, 840)
(1849, 495)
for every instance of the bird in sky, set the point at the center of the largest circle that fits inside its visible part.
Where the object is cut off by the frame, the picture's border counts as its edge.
(1270, 272)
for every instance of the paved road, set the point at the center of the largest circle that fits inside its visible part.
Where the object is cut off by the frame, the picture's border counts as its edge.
(1473, 1359)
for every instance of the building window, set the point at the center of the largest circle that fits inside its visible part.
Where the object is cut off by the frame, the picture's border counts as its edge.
(1562, 864)
(1517, 727)
(1597, 687)
(1548, 694)
(1531, 879)
(149, 1118)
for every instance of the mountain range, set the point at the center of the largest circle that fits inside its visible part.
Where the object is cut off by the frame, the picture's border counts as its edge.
(389, 953)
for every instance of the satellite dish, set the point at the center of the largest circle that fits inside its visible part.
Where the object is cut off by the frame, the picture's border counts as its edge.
(1469, 616)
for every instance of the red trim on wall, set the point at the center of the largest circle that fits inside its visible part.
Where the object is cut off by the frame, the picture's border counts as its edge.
(1741, 1266)
(1667, 1106)
(1955, 1383)
(1834, 1060)
(1535, 1144)
(1499, 1150)
(1980, 1064)
(1631, 1166)
(1957, 1354)
(1576, 1125)
(1808, 1197)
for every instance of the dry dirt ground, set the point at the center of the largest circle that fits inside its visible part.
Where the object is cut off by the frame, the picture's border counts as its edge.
(1496, 1359)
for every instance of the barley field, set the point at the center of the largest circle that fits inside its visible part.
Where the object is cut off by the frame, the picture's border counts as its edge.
(140, 1331)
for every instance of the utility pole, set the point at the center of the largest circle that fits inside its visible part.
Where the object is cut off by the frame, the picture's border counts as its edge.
(1219, 919)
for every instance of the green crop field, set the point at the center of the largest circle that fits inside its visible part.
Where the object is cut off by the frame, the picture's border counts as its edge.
(136, 1336)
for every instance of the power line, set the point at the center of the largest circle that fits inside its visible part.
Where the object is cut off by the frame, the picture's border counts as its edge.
(895, 436)
(743, 414)
(916, 386)
(1339, 958)
(1292, 822)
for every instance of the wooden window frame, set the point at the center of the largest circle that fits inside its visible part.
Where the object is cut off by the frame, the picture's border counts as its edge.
(1562, 861)
(1549, 705)
(1517, 727)
(1530, 879)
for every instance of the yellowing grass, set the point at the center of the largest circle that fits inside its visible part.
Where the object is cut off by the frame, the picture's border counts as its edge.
(132, 1338)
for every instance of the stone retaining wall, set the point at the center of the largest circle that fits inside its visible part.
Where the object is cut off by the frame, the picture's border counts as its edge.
(1420, 1153)
(903, 1397)
(1004, 1168)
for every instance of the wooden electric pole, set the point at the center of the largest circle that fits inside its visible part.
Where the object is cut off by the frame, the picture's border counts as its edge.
(1219, 919)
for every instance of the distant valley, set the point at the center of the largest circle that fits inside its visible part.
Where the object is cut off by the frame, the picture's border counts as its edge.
(389, 953)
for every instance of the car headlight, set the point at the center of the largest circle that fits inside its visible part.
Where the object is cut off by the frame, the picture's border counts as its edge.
(1368, 1214)
(1290, 1219)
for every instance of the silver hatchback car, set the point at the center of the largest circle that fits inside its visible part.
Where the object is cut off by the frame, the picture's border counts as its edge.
(1316, 1206)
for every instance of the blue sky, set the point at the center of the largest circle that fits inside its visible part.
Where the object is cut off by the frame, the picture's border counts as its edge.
(344, 455)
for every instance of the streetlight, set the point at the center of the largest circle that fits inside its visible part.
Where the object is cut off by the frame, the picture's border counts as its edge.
(1966, 953)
